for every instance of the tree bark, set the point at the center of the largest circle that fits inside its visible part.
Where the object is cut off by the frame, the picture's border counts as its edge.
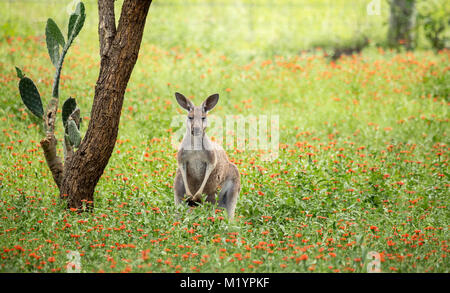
(106, 25)
(54, 162)
(119, 51)
(49, 142)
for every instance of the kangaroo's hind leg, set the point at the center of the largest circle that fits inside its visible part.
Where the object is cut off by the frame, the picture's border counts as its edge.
(229, 194)
(179, 190)
(228, 197)
(211, 197)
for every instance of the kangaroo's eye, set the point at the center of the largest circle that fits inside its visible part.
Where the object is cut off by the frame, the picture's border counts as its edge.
(190, 118)
(203, 118)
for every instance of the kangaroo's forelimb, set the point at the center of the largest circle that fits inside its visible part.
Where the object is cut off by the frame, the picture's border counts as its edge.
(182, 167)
(209, 168)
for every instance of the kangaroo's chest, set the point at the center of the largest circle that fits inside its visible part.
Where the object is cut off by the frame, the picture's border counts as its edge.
(196, 170)
(195, 165)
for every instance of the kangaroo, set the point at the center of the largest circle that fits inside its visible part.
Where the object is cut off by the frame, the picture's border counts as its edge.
(203, 166)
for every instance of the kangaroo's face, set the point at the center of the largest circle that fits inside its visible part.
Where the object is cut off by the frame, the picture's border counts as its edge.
(196, 121)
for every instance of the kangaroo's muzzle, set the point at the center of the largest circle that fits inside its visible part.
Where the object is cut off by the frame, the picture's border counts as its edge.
(196, 131)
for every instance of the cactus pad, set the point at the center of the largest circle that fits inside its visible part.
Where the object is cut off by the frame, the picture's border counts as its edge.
(68, 107)
(19, 73)
(54, 39)
(31, 97)
(76, 22)
(74, 133)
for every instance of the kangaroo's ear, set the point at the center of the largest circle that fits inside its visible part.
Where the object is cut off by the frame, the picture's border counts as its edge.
(184, 102)
(210, 102)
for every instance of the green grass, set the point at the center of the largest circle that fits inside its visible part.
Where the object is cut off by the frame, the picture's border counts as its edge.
(362, 166)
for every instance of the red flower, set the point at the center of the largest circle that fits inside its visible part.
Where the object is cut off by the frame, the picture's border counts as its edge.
(302, 257)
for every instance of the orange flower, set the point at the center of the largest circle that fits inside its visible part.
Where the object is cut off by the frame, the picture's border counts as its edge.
(302, 257)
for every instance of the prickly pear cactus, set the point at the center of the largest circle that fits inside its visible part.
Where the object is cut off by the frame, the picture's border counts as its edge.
(57, 48)
(71, 122)
(76, 22)
(19, 73)
(30, 96)
(54, 39)
(68, 108)
(73, 133)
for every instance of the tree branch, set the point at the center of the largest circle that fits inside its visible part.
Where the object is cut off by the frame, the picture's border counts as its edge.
(106, 25)
(48, 144)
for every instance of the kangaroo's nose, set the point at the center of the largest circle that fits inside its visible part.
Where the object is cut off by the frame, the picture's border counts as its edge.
(196, 131)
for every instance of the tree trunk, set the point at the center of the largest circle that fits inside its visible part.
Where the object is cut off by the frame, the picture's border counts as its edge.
(118, 51)
(401, 23)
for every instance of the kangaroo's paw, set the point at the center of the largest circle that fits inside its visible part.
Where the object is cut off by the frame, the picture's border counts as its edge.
(197, 197)
(189, 195)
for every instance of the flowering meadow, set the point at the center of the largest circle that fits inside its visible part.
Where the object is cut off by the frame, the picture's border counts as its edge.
(361, 180)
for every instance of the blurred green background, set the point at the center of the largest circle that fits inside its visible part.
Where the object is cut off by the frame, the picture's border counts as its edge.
(230, 37)
(252, 27)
